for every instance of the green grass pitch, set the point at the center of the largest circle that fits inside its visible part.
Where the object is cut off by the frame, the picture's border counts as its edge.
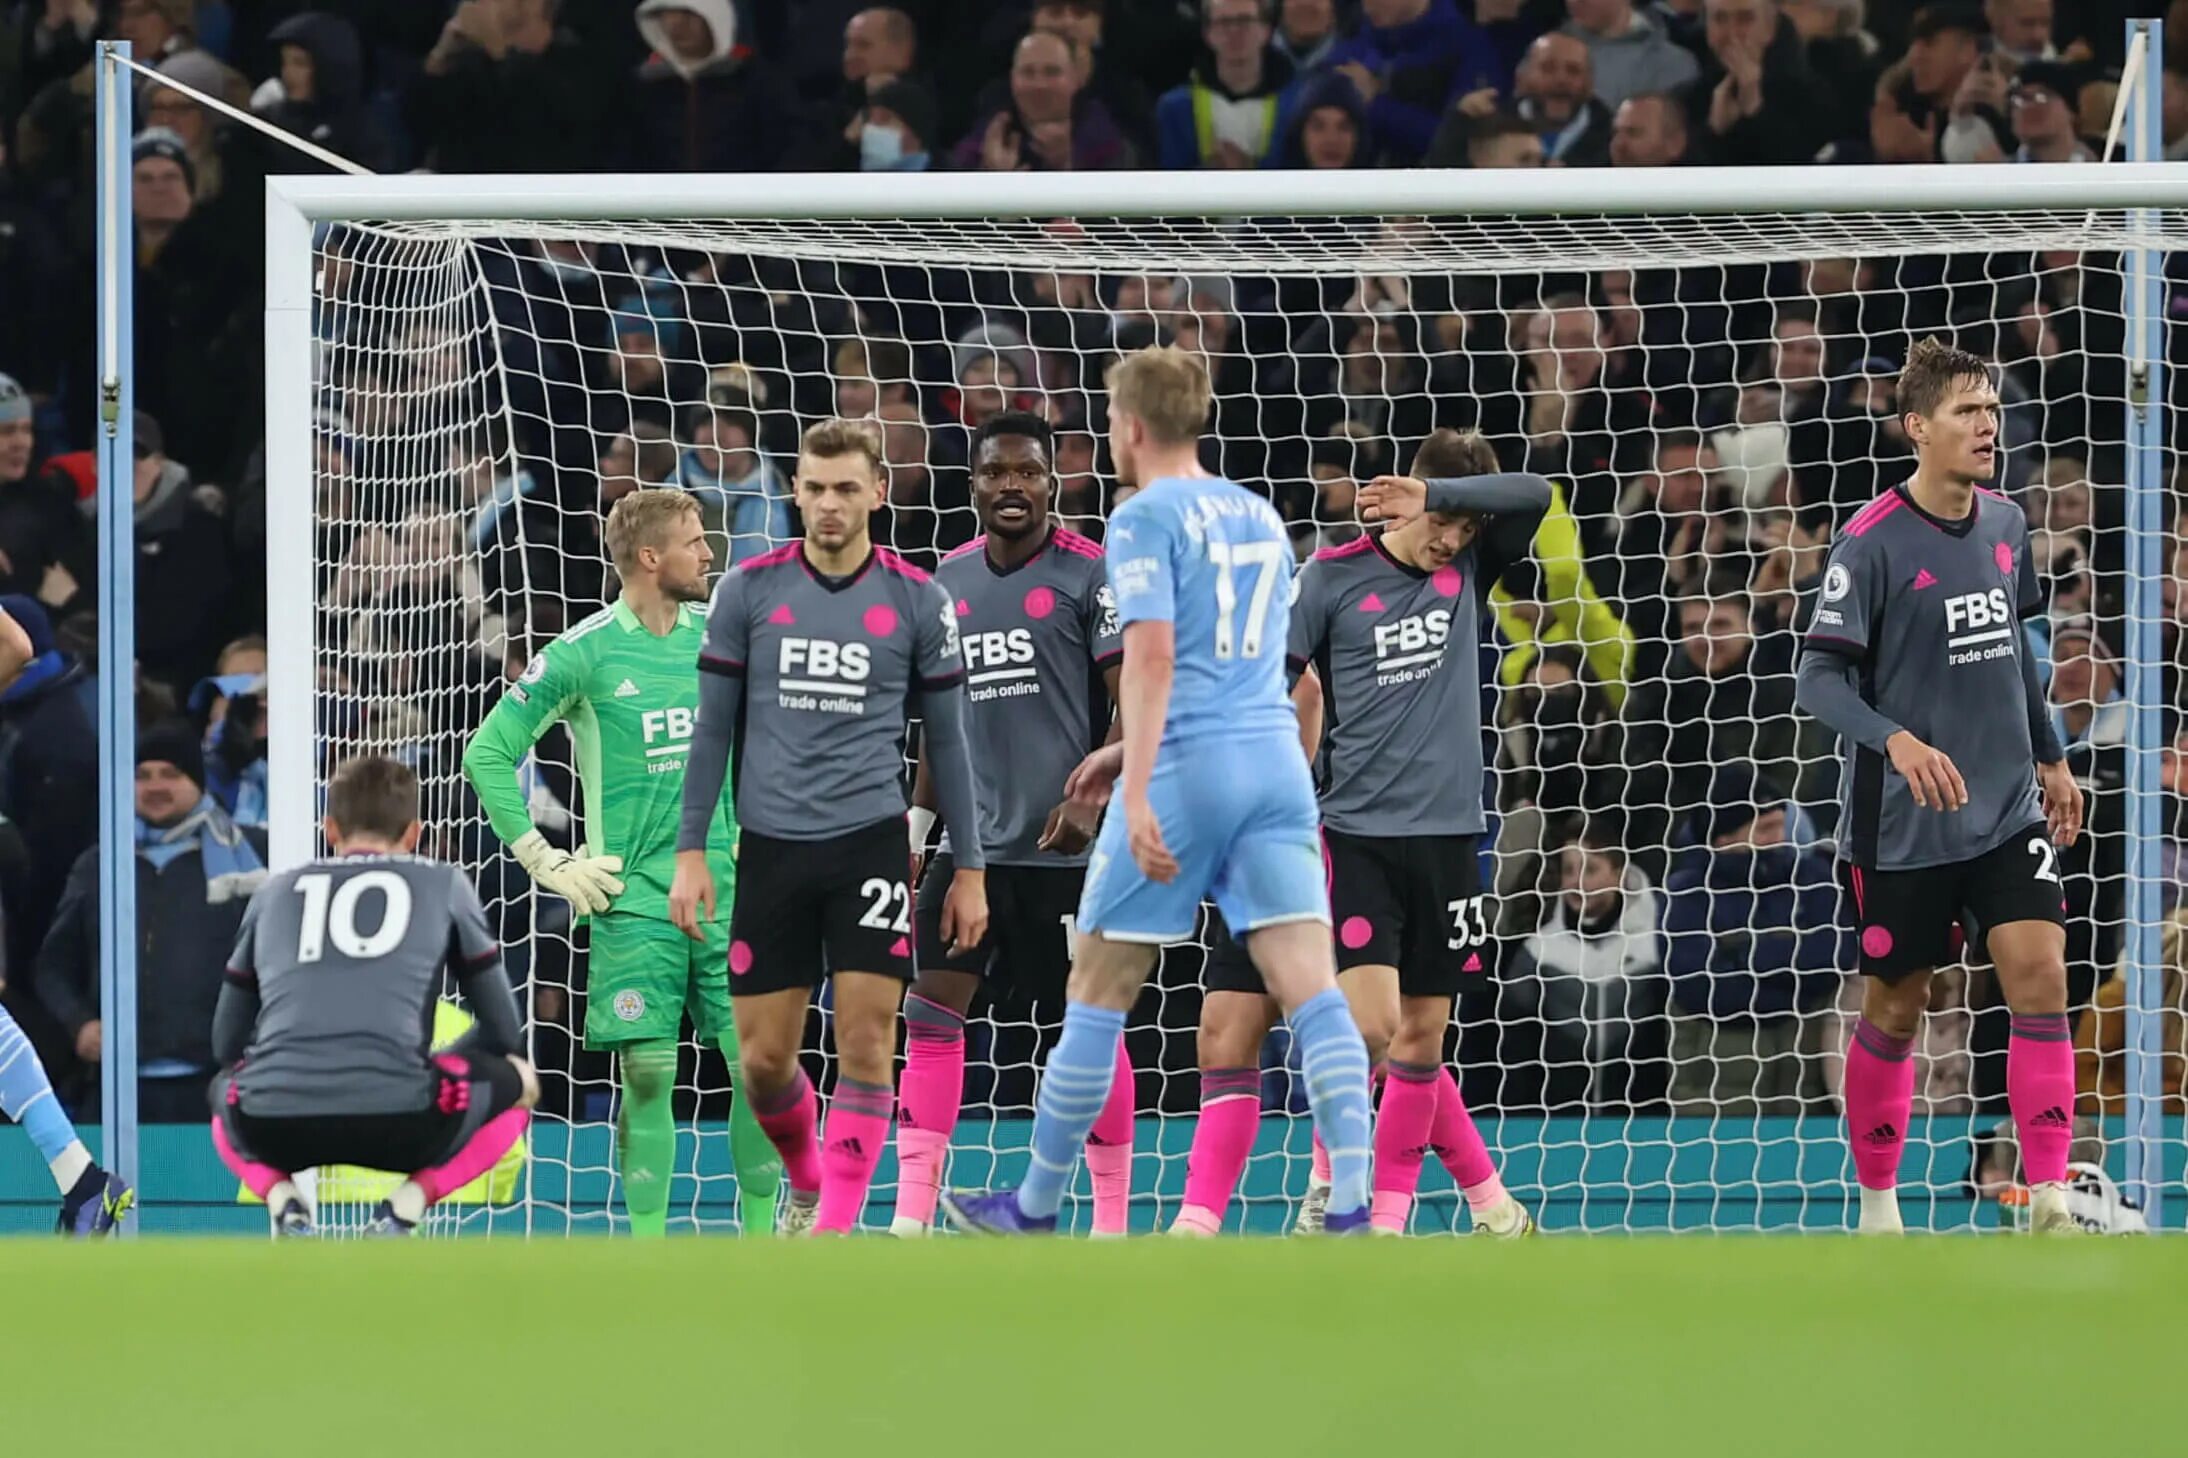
(1600, 1346)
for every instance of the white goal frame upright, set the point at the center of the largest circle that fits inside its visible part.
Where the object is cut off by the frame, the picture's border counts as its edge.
(2131, 197)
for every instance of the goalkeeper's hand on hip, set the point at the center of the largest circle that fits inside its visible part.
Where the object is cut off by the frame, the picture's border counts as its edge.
(588, 883)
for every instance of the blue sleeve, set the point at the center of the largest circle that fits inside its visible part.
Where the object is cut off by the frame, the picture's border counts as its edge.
(1177, 148)
(1142, 565)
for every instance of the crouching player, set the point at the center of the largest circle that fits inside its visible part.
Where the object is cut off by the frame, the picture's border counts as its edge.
(325, 1020)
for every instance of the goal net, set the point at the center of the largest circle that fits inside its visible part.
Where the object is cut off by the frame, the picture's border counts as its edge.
(1656, 1043)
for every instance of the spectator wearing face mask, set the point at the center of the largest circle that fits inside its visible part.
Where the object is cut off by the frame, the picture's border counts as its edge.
(895, 131)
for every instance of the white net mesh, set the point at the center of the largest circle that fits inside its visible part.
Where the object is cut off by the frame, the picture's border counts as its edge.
(1711, 394)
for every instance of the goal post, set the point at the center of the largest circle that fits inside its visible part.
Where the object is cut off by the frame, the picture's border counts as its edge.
(428, 393)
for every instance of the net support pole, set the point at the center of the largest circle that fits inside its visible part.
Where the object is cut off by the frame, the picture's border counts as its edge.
(2145, 481)
(117, 599)
(291, 673)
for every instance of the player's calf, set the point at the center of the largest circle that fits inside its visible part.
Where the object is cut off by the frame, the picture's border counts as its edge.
(2040, 1088)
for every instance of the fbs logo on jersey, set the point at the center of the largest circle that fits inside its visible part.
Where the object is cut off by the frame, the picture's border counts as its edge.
(824, 675)
(1411, 647)
(626, 690)
(629, 1004)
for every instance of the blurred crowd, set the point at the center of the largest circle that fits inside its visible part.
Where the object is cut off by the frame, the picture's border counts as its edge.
(1664, 817)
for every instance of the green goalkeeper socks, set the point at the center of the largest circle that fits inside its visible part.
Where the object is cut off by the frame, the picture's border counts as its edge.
(752, 1154)
(645, 1135)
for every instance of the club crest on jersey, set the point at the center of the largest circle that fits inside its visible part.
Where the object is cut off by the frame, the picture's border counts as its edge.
(629, 1004)
(1837, 582)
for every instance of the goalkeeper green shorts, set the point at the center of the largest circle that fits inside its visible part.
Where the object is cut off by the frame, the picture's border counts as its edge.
(646, 975)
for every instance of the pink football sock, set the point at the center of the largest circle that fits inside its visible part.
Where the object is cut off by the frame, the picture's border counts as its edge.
(1321, 1166)
(1109, 1150)
(928, 1099)
(1401, 1141)
(1879, 1101)
(258, 1178)
(790, 1119)
(1230, 1118)
(495, 1138)
(2040, 1091)
(858, 1127)
(1460, 1149)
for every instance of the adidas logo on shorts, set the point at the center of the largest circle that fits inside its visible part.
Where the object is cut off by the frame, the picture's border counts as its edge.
(626, 690)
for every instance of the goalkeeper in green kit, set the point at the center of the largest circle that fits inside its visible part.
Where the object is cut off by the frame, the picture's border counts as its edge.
(625, 680)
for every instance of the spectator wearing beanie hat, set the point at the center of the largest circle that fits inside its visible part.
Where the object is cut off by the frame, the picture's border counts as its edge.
(45, 544)
(196, 871)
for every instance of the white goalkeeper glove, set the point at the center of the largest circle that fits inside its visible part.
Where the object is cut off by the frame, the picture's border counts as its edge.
(588, 883)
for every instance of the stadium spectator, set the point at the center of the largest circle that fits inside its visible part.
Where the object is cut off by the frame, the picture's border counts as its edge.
(1236, 107)
(1050, 122)
(880, 49)
(1726, 696)
(895, 131)
(1844, 56)
(704, 102)
(319, 91)
(195, 870)
(49, 748)
(231, 705)
(506, 89)
(2044, 123)
(1649, 130)
(1945, 44)
(1753, 944)
(1306, 32)
(741, 493)
(1407, 61)
(1329, 128)
(186, 570)
(1629, 53)
(1554, 92)
(45, 544)
(1581, 1005)
(204, 132)
(1756, 101)
(1103, 74)
(2021, 30)
(2100, 1035)
(1977, 128)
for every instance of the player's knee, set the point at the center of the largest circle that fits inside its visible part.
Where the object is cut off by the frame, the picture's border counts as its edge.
(649, 1078)
(527, 1081)
(1378, 1027)
(1232, 1026)
(1895, 1009)
(866, 1046)
(765, 1067)
(1417, 1041)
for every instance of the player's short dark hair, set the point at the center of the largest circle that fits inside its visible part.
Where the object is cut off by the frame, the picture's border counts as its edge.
(374, 795)
(1021, 423)
(1934, 368)
(1448, 454)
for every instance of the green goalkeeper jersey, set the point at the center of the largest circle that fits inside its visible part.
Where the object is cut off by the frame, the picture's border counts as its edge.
(630, 699)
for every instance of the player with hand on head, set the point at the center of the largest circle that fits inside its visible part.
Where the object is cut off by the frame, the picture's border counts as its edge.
(816, 654)
(1386, 633)
(1957, 793)
(1216, 799)
(92, 1200)
(1039, 629)
(324, 1025)
(623, 681)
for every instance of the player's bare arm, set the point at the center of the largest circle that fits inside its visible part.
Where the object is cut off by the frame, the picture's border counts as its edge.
(1150, 660)
(1071, 825)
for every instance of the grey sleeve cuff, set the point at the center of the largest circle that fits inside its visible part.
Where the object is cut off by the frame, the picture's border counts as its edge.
(2041, 732)
(949, 764)
(706, 765)
(1502, 491)
(1827, 689)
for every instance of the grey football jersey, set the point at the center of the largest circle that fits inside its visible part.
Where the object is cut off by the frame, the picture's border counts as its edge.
(1398, 651)
(1036, 639)
(829, 669)
(1930, 612)
(346, 956)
